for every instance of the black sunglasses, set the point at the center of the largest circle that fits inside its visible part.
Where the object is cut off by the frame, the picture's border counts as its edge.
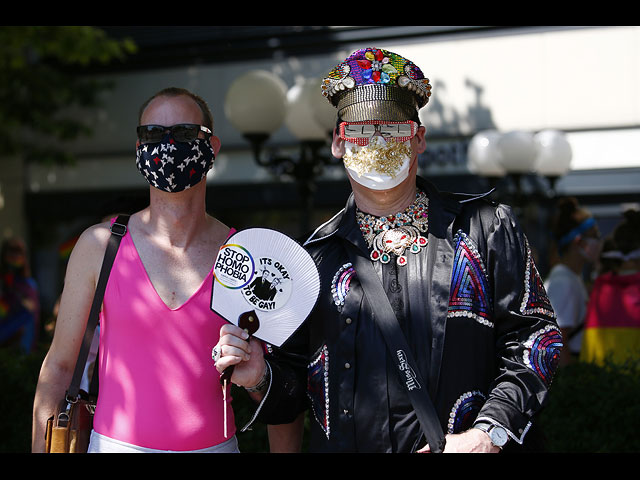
(182, 132)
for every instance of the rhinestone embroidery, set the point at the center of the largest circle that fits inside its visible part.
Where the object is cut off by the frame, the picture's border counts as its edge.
(340, 284)
(318, 389)
(373, 66)
(465, 411)
(542, 352)
(393, 234)
(470, 292)
(535, 299)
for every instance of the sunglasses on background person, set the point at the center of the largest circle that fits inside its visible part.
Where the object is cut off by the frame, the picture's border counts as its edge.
(182, 132)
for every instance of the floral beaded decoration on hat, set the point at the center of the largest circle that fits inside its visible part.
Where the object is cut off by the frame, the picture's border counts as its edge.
(375, 84)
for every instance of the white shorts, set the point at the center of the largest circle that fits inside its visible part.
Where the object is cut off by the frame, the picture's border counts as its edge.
(101, 444)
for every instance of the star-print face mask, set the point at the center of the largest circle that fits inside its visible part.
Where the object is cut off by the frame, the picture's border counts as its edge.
(174, 166)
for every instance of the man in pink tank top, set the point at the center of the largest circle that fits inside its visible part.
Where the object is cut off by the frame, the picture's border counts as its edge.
(159, 389)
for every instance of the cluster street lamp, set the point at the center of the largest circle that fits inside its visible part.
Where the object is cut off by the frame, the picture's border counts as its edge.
(258, 103)
(517, 156)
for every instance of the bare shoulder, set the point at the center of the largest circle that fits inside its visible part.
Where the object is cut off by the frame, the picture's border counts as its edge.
(97, 235)
(94, 238)
(80, 280)
(89, 250)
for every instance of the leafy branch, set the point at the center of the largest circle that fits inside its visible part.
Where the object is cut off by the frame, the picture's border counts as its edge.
(43, 77)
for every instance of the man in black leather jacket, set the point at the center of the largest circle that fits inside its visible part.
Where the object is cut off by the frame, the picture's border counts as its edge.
(481, 341)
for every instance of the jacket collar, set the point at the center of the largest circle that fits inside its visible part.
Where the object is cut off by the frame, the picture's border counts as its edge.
(443, 209)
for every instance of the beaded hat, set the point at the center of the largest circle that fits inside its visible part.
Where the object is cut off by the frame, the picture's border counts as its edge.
(375, 84)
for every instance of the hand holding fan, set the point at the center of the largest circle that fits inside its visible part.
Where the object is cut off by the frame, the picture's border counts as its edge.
(265, 283)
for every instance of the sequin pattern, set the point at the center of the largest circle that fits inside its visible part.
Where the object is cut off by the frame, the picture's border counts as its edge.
(376, 66)
(340, 284)
(465, 411)
(470, 291)
(318, 388)
(535, 299)
(542, 352)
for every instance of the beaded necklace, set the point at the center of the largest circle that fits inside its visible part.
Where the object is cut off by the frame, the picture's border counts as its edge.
(393, 234)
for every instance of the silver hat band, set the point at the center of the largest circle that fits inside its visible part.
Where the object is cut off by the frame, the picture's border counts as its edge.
(377, 102)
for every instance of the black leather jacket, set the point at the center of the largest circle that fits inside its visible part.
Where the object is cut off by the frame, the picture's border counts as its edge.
(473, 309)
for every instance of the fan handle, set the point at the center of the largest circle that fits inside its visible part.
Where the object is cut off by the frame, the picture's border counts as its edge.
(249, 322)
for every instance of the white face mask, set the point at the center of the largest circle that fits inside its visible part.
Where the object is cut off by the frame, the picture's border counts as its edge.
(380, 165)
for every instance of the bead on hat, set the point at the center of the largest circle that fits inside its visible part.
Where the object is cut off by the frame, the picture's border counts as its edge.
(371, 66)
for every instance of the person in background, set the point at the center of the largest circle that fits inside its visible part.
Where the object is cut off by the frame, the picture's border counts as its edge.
(158, 390)
(578, 244)
(19, 301)
(612, 323)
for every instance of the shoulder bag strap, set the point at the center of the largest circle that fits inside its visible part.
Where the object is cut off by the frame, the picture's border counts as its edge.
(399, 349)
(118, 230)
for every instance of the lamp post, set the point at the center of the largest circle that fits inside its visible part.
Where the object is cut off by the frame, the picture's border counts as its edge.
(553, 155)
(484, 157)
(516, 156)
(258, 104)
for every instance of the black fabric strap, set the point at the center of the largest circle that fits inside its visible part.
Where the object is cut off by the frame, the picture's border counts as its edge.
(118, 230)
(399, 349)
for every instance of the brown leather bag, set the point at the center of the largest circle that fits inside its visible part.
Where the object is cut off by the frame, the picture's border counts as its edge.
(69, 428)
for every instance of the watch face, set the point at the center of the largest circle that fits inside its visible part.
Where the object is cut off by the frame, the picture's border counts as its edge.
(499, 436)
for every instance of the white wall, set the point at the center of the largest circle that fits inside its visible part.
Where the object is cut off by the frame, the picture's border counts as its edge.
(568, 79)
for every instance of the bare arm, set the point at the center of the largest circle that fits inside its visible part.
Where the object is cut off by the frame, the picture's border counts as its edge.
(75, 303)
(286, 438)
(470, 441)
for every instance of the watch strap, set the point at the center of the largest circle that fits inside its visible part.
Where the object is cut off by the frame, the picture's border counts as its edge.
(488, 428)
(485, 427)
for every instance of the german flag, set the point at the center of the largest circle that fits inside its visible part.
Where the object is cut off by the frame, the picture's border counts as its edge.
(612, 323)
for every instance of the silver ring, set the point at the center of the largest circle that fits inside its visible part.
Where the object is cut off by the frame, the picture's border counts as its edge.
(215, 354)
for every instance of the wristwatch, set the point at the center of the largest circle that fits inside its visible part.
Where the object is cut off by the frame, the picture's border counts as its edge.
(497, 434)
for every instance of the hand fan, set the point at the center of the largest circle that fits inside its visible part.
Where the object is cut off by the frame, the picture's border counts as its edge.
(265, 283)
(269, 273)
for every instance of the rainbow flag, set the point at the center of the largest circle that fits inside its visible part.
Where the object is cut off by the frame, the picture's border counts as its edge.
(612, 323)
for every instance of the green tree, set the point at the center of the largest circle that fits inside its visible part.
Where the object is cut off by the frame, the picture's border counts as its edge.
(42, 81)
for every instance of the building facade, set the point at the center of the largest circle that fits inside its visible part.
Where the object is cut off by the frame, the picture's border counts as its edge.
(580, 80)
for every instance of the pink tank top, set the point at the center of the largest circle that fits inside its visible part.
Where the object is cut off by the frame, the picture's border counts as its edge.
(158, 385)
